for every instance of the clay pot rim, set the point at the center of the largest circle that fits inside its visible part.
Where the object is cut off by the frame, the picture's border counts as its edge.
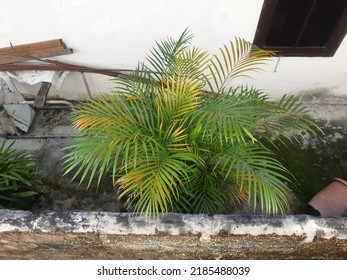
(339, 180)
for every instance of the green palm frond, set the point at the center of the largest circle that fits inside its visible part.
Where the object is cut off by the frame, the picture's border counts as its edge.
(177, 96)
(191, 63)
(139, 82)
(203, 194)
(255, 168)
(209, 195)
(113, 130)
(289, 119)
(163, 57)
(237, 60)
(156, 184)
(227, 118)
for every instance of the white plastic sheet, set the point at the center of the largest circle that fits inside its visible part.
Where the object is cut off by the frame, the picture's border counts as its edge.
(22, 115)
(35, 77)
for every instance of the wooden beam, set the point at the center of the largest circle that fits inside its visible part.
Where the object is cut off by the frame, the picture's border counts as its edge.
(30, 47)
(26, 52)
(41, 97)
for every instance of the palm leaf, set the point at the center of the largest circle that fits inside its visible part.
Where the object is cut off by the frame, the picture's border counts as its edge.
(227, 118)
(156, 184)
(289, 119)
(237, 60)
(163, 57)
(17, 176)
(209, 196)
(256, 169)
(113, 130)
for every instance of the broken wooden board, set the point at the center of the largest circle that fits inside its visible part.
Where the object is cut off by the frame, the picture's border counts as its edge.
(41, 97)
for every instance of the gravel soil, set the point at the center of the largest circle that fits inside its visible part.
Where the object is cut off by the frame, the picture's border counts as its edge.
(93, 246)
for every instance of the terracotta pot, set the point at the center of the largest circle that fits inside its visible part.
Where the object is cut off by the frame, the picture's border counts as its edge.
(332, 200)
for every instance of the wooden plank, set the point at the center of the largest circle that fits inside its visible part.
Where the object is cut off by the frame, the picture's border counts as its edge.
(14, 59)
(41, 97)
(56, 43)
(54, 53)
(39, 49)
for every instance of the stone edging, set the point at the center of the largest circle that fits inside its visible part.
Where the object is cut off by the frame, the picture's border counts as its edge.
(173, 224)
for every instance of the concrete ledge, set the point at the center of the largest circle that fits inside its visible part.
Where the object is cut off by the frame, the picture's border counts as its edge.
(109, 235)
(204, 226)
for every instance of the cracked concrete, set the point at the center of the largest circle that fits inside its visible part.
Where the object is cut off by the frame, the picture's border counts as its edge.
(110, 235)
(173, 224)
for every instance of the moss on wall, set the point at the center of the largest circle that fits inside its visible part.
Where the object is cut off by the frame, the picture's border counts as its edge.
(318, 161)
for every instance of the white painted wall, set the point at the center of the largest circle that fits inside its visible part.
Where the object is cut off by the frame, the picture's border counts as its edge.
(118, 33)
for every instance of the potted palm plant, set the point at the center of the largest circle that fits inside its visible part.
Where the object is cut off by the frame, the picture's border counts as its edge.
(175, 135)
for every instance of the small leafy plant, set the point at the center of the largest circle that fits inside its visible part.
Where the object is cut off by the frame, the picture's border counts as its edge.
(17, 175)
(175, 135)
